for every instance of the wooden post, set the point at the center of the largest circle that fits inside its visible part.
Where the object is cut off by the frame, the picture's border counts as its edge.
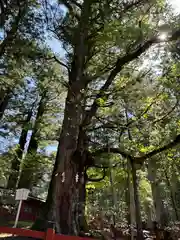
(50, 234)
(18, 213)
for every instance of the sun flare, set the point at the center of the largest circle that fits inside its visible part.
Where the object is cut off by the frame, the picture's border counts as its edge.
(163, 36)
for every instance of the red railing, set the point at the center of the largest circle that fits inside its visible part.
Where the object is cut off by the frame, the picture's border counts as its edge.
(48, 235)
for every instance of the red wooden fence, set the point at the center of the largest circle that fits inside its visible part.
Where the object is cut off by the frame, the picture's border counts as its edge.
(49, 235)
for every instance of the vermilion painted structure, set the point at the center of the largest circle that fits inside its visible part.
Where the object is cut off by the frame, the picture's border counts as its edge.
(29, 211)
(49, 235)
(30, 207)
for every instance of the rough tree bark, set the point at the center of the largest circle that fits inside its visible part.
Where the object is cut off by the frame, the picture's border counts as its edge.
(65, 193)
(13, 178)
(80, 210)
(73, 193)
(47, 218)
(64, 187)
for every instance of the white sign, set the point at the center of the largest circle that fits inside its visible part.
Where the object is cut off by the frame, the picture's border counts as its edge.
(22, 194)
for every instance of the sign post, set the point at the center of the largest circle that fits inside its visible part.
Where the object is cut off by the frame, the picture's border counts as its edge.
(21, 194)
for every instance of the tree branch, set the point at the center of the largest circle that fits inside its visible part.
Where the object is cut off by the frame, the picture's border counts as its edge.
(104, 126)
(114, 125)
(111, 150)
(139, 160)
(170, 145)
(141, 115)
(61, 63)
(120, 63)
(70, 8)
(167, 114)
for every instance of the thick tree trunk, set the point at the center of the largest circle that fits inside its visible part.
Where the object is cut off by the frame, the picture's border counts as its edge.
(80, 223)
(71, 160)
(27, 175)
(63, 189)
(68, 192)
(47, 217)
(137, 202)
(70, 202)
(13, 178)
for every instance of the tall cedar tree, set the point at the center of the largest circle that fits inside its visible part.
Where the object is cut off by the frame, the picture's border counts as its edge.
(80, 31)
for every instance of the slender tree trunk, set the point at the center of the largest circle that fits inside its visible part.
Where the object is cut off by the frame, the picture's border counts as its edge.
(11, 34)
(160, 211)
(172, 196)
(127, 196)
(149, 216)
(114, 201)
(46, 217)
(130, 201)
(134, 203)
(176, 185)
(114, 197)
(152, 178)
(4, 99)
(13, 178)
(137, 203)
(27, 175)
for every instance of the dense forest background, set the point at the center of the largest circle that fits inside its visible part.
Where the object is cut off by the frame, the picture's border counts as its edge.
(90, 111)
